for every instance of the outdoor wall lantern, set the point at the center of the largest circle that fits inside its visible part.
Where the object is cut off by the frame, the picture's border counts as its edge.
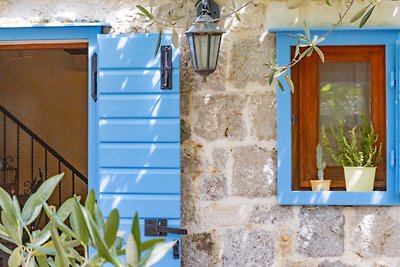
(204, 39)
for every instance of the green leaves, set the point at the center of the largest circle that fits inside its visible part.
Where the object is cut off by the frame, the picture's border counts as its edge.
(356, 149)
(111, 228)
(366, 17)
(132, 252)
(15, 259)
(144, 12)
(156, 254)
(55, 245)
(364, 14)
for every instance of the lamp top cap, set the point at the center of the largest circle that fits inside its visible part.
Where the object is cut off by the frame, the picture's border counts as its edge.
(205, 24)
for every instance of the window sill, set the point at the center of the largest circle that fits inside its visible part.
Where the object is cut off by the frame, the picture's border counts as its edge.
(338, 198)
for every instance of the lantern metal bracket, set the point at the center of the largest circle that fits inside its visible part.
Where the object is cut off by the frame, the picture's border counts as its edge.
(214, 10)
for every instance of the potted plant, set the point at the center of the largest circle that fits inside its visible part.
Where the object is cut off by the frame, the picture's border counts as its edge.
(357, 152)
(320, 184)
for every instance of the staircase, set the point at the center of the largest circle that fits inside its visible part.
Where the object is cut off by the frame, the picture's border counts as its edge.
(26, 161)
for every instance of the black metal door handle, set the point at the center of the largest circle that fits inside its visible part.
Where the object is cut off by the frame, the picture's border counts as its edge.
(159, 227)
(170, 230)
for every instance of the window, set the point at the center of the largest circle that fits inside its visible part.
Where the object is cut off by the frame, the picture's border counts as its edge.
(358, 77)
(350, 83)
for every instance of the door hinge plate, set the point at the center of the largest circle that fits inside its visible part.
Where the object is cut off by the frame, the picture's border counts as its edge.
(94, 77)
(166, 67)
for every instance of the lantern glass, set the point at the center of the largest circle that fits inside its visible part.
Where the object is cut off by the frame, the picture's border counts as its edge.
(204, 40)
(204, 50)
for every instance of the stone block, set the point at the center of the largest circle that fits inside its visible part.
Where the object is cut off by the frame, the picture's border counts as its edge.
(186, 131)
(248, 248)
(220, 117)
(213, 186)
(225, 215)
(220, 158)
(321, 232)
(250, 68)
(190, 198)
(339, 263)
(374, 232)
(264, 214)
(191, 160)
(199, 250)
(263, 116)
(254, 172)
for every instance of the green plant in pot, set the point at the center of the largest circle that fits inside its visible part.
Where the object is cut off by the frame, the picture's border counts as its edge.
(357, 151)
(321, 184)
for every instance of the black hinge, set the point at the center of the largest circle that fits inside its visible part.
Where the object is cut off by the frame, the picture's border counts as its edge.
(166, 67)
(94, 77)
(175, 250)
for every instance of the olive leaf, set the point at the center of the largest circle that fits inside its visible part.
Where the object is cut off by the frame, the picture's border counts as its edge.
(145, 12)
(359, 14)
(366, 17)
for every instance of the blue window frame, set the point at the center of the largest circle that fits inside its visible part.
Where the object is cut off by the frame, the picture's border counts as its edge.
(388, 37)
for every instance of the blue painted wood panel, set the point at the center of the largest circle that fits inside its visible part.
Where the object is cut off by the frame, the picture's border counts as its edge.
(147, 205)
(139, 155)
(139, 130)
(152, 181)
(135, 81)
(139, 106)
(133, 51)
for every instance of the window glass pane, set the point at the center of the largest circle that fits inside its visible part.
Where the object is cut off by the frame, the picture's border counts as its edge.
(344, 94)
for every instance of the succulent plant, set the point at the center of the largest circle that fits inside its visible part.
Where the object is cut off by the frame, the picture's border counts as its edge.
(321, 163)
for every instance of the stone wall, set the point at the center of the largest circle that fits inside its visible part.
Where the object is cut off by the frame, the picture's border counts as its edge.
(229, 162)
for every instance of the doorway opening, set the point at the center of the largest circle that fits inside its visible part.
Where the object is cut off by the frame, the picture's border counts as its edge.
(44, 117)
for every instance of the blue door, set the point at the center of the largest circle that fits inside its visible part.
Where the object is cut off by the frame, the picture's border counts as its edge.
(138, 130)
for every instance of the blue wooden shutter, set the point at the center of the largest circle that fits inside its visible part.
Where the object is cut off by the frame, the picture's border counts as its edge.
(139, 132)
(397, 118)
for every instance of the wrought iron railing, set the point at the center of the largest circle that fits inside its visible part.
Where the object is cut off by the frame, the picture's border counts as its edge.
(24, 154)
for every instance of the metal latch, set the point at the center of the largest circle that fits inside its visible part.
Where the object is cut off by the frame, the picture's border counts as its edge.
(94, 77)
(175, 250)
(166, 67)
(159, 227)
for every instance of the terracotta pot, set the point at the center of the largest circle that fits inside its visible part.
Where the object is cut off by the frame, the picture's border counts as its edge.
(359, 179)
(320, 185)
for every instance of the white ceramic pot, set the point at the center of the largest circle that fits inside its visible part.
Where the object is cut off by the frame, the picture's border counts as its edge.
(320, 185)
(359, 179)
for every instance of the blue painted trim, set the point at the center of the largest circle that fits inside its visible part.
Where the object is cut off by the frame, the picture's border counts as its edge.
(397, 113)
(341, 28)
(342, 36)
(58, 25)
(87, 32)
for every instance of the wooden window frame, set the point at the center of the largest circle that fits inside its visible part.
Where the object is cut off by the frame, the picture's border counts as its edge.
(305, 108)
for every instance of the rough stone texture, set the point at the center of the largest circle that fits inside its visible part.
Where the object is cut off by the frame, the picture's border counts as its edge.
(256, 247)
(375, 232)
(254, 174)
(202, 250)
(186, 131)
(246, 69)
(264, 214)
(228, 134)
(213, 186)
(321, 232)
(219, 117)
(327, 263)
(262, 112)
